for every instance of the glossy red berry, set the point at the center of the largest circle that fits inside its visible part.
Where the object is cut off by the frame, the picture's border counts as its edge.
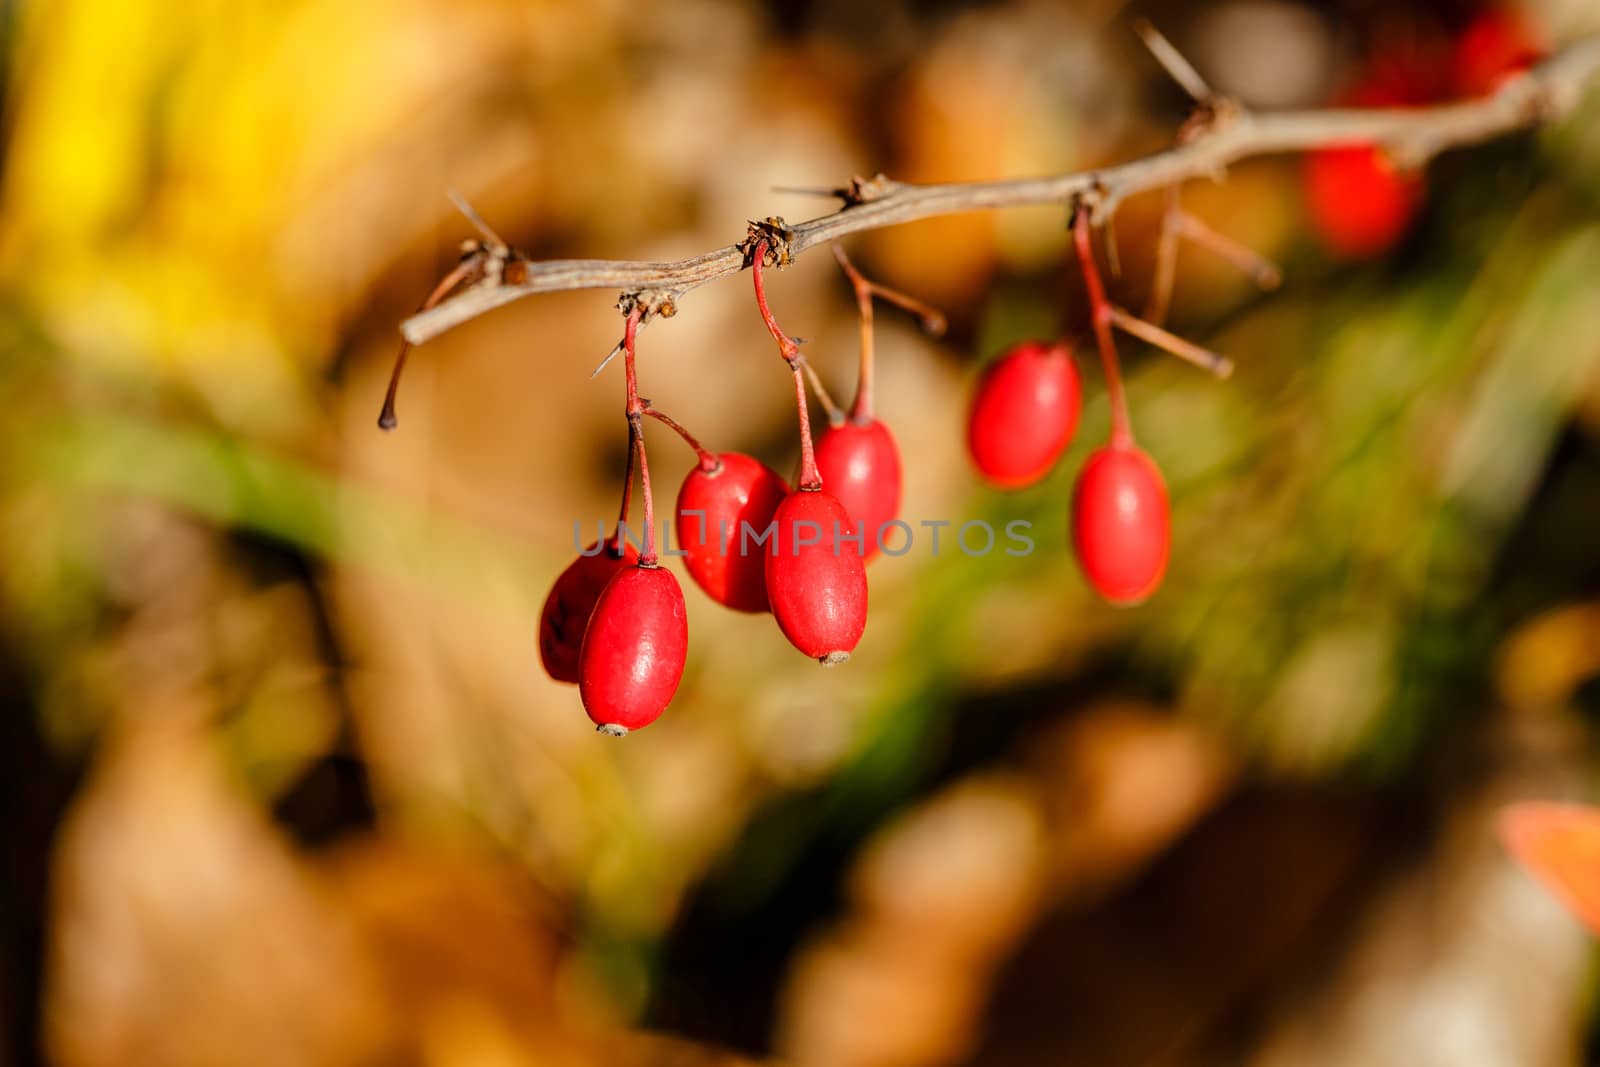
(1024, 413)
(1496, 44)
(860, 467)
(570, 603)
(1121, 526)
(817, 584)
(712, 505)
(634, 649)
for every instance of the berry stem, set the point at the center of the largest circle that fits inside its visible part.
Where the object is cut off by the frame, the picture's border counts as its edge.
(810, 477)
(1101, 312)
(635, 412)
(619, 539)
(931, 320)
(647, 557)
(786, 346)
(861, 409)
(836, 415)
(471, 263)
(708, 460)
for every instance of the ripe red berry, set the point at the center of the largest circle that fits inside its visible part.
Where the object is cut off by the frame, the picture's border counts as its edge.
(1361, 205)
(1024, 413)
(570, 603)
(1496, 44)
(1120, 523)
(634, 650)
(860, 467)
(818, 585)
(739, 489)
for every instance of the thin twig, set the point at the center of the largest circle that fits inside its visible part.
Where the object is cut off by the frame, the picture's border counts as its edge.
(1166, 268)
(1173, 62)
(471, 263)
(804, 190)
(1149, 332)
(1259, 268)
(492, 239)
(616, 350)
(1411, 135)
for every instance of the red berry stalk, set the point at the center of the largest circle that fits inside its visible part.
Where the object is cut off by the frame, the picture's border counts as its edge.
(635, 412)
(857, 456)
(636, 639)
(1102, 316)
(716, 508)
(817, 587)
(707, 460)
(721, 497)
(931, 320)
(1121, 525)
(1025, 407)
(790, 351)
(724, 494)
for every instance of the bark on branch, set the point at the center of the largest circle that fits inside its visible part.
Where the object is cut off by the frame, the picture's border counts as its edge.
(1225, 135)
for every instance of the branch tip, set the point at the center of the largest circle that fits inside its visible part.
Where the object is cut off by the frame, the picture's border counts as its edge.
(866, 190)
(492, 239)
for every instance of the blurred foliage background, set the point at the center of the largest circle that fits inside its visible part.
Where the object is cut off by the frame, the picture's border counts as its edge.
(284, 783)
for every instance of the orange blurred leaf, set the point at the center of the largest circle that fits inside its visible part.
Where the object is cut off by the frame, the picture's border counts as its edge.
(1559, 844)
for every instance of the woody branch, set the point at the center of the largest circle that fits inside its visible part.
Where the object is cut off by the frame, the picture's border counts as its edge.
(1222, 133)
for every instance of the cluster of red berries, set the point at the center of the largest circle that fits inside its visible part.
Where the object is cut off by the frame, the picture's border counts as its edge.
(1023, 416)
(614, 622)
(1360, 203)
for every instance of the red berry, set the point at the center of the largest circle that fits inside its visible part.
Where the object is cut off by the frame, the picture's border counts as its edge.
(738, 490)
(1024, 413)
(570, 603)
(634, 650)
(860, 467)
(817, 585)
(1361, 206)
(1495, 44)
(1120, 523)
